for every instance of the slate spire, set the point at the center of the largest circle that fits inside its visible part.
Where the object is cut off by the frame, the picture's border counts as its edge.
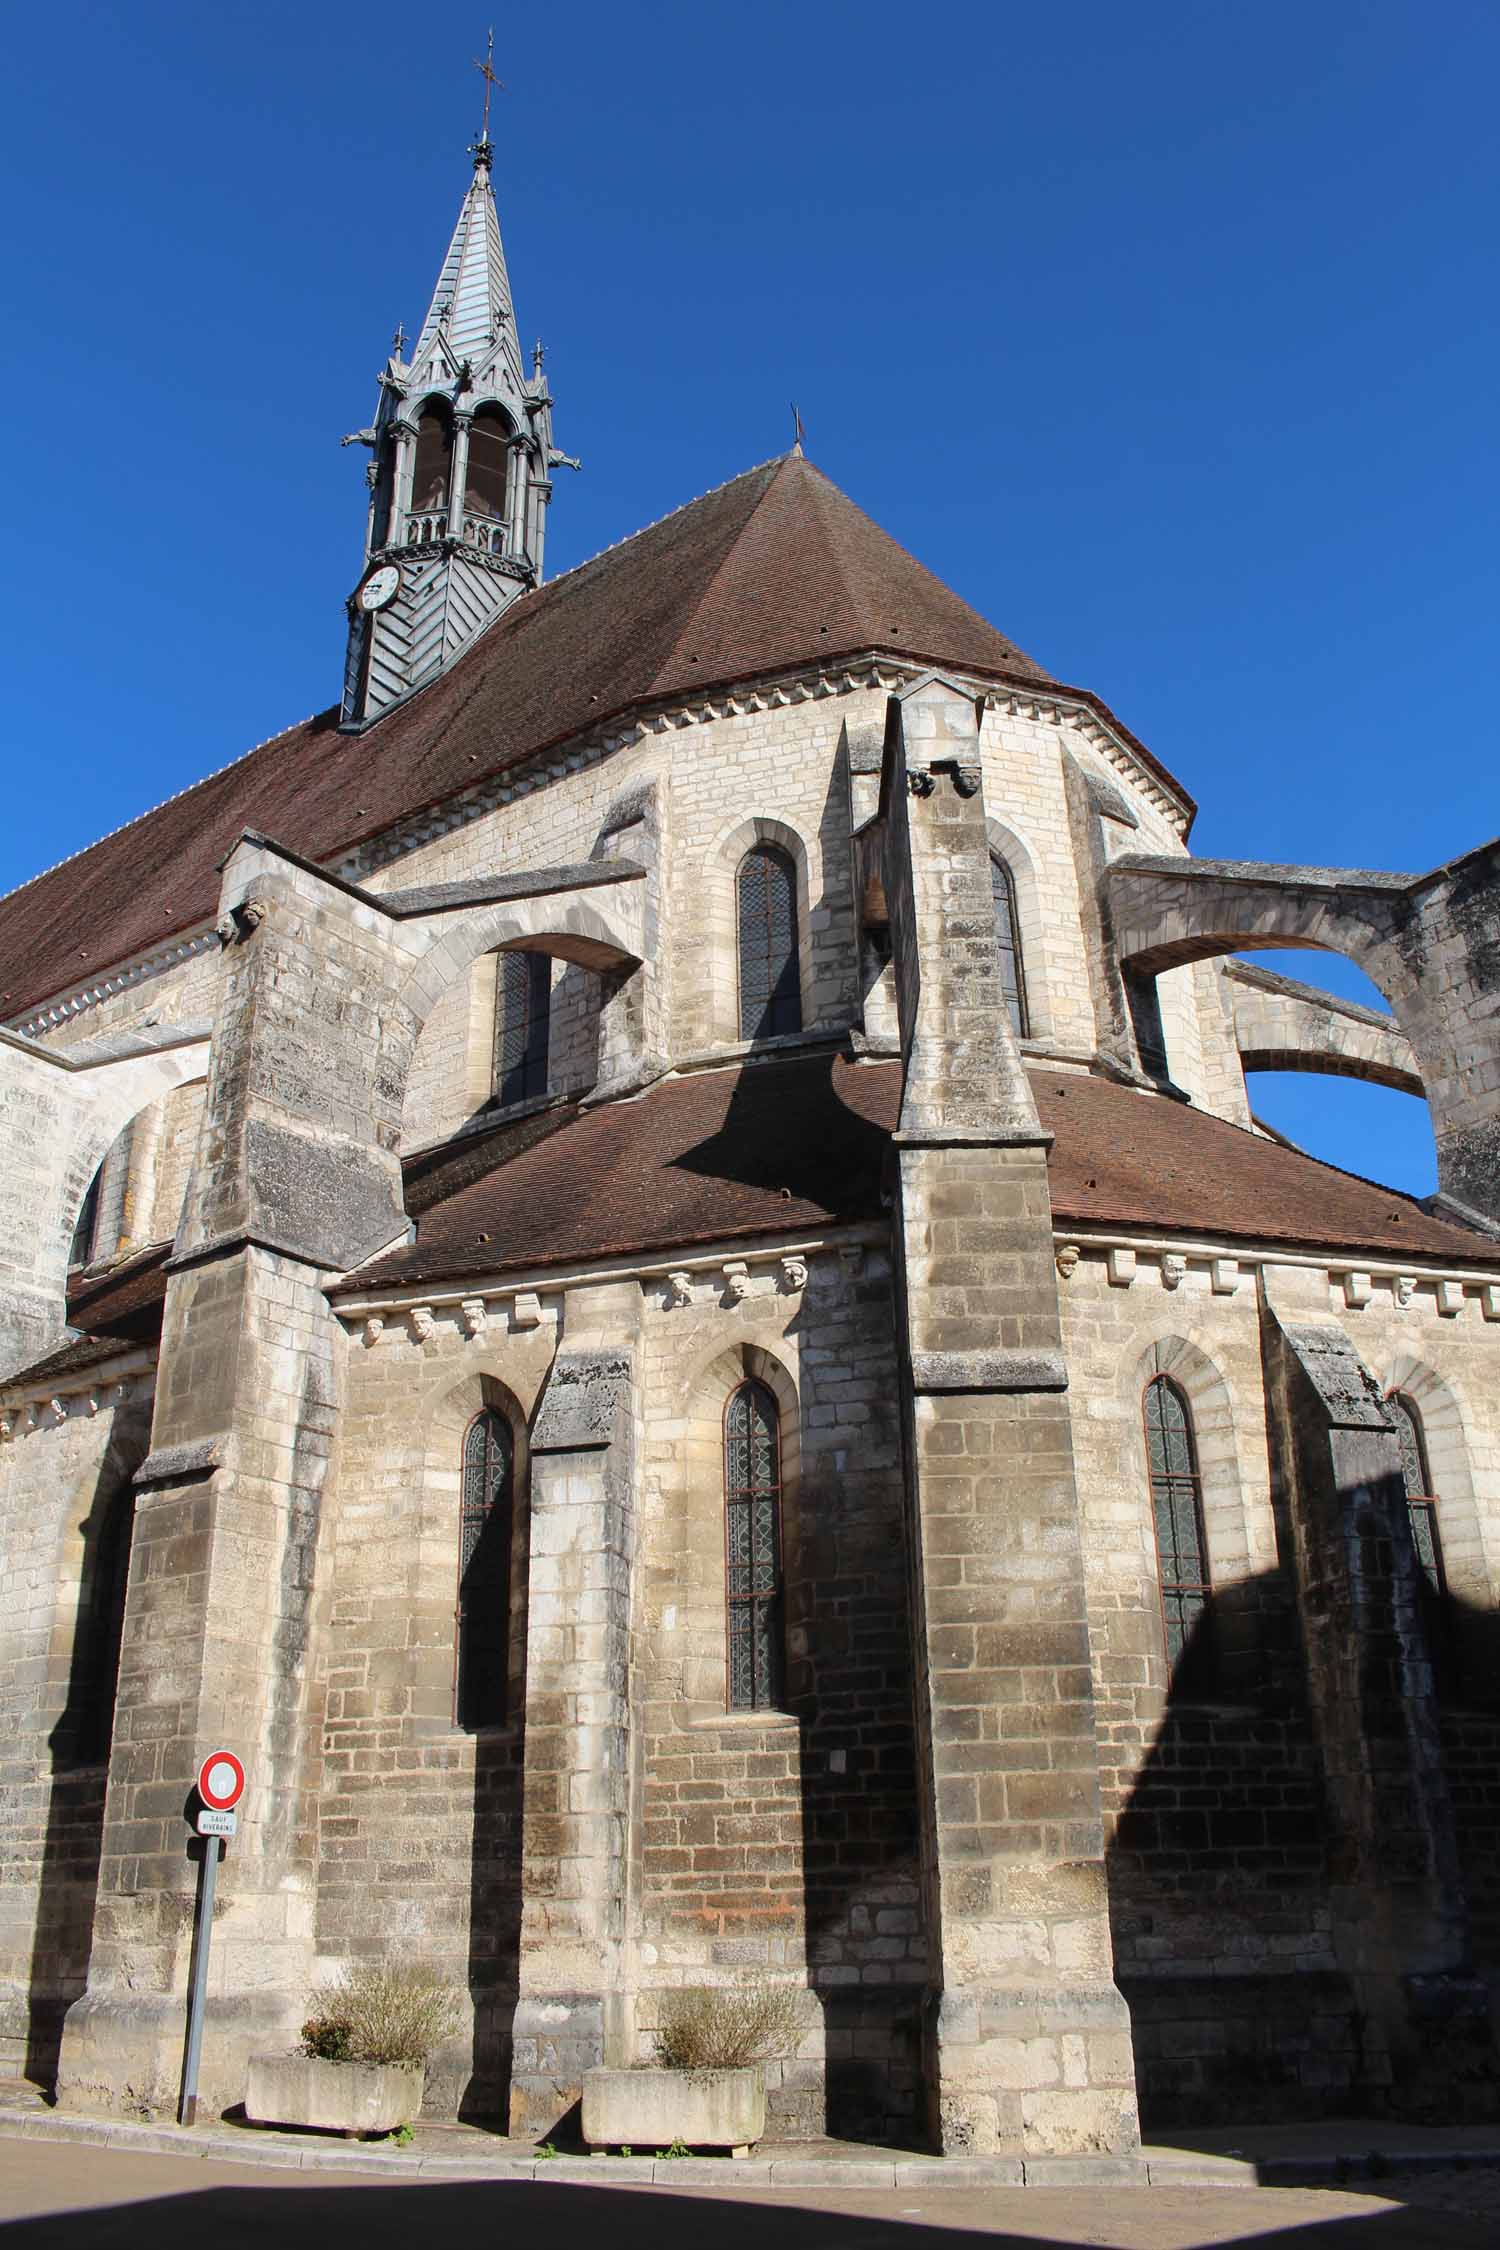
(471, 310)
(462, 471)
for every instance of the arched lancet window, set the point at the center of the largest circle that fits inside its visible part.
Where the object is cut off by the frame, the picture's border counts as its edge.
(1421, 1501)
(101, 1622)
(81, 1248)
(752, 1547)
(483, 1621)
(523, 999)
(1177, 1507)
(489, 461)
(770, 991)
(432, 466)
(1008, 938)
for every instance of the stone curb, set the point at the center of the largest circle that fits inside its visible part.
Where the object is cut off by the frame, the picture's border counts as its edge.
(1149, 2169)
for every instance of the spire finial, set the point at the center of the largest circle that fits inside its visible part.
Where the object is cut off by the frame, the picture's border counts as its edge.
(798, 432)
(484, 148)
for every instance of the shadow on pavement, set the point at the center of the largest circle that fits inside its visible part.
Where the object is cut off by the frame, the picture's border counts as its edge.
(305, 2217)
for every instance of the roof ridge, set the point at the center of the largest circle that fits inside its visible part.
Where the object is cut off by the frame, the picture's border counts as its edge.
(824, 486)
(174, 797)
(778, 462)
(774, 461)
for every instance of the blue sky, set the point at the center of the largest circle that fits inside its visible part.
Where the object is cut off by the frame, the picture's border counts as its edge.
(1166, 336)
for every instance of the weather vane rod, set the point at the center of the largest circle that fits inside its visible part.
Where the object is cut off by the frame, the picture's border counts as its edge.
(486, 70)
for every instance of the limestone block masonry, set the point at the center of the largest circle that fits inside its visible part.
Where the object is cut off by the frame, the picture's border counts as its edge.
(1066, 1786)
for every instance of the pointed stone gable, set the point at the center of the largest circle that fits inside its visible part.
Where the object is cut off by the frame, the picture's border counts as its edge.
(773, 570)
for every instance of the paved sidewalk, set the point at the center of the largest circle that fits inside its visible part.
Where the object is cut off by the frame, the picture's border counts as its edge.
(54, 2197)
(1354, 2152)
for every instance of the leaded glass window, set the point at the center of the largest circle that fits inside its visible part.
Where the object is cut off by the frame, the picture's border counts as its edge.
(1008, 939)
(1177, 1506)
(483, 1623)
(1421, 1502)
(752, 1547)
(770, 991)
(523, 994)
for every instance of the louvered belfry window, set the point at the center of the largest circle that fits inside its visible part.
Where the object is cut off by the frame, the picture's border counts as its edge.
(523, 992)
(1008, 939)
(770, 991)
(489, 460)
(432, 463)
(752, 1547)
(1421, 1501)
(483, 1623)
(1177, 1505)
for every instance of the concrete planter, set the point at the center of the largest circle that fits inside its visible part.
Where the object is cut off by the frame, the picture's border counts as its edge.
(333, 2097)
(650, 2109)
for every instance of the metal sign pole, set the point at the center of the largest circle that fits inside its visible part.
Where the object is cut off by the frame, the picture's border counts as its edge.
(203, 1923)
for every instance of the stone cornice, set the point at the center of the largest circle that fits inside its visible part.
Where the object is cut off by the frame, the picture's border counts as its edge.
(702, 1262)
(153, 962)
(1166, 1259)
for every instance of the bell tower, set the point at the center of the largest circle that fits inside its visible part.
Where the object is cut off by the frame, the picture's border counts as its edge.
(460, 475)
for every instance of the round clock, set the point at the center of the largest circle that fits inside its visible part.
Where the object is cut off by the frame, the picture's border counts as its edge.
(380, 588)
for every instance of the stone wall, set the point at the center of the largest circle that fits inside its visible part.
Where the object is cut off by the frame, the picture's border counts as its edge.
(1221, 1874)
(59, 1480)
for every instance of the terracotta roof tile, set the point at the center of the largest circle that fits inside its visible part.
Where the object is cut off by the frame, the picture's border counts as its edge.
(772, 1147)
(772, 570)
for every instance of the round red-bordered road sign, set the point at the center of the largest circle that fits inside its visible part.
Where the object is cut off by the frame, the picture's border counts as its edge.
(221, 1780)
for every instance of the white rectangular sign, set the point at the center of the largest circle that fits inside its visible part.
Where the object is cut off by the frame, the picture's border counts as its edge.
(211, 1823)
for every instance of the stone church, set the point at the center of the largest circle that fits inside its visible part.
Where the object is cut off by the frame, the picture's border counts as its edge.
(639, 1263)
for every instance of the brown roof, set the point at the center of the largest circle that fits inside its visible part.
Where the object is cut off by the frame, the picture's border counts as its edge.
(1122, 1159)
(772, 1147)
(771, 571)
(783, 1147)
(114, 1309)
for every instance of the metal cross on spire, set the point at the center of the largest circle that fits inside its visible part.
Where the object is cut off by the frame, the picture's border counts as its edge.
(486, 70)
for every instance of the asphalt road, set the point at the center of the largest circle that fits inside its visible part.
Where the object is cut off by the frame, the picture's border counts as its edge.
(53, 2195)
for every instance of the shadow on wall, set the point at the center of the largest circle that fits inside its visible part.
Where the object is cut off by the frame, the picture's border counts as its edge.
(79, 1749)
(1223, 1871)
(849, 1681)
(494, 1922)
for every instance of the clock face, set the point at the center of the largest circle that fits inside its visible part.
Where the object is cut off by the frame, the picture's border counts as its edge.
(379, 588)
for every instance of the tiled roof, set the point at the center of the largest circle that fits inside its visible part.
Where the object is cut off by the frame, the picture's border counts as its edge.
(796, 1145)
(115, 1310)
(772, 1147)
(774, 570)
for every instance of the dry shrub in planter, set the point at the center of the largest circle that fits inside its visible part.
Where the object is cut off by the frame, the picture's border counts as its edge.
(717, 2027)
(380, 2012)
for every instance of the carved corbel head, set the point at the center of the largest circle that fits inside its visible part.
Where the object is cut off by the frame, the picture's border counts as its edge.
(374, 1327)
(473, 1315)
(793, 1274)
(1173, 1269)
(423, 1322)
(737, 1279)
(679, 1290)
(1403, 1289)
(1067, 1260)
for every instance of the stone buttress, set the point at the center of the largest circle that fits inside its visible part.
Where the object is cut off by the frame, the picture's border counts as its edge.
(1028, 2041)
